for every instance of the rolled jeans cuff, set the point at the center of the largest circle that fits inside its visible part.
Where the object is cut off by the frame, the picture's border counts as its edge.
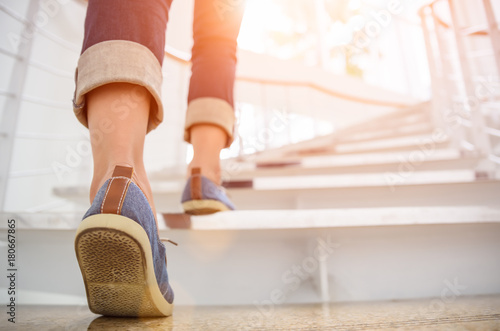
(118, 61)
(208, 110)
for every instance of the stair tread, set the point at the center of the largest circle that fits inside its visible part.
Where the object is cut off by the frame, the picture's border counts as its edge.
(355, 217)
(175, 187)
(337, 165)
(237, 169)
(461, 313)
(296, 219)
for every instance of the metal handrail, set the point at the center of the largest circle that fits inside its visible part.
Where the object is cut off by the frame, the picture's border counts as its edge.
(184, 59)
(323, 90)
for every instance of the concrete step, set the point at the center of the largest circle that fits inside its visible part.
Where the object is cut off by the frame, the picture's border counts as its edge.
(413, 142)
(342, 217)
(436, 140)
(434, 188)
(392, 121)
(442, 160)
(401, 193)
(444, 313)
(388, 133)
(324, 259)
(247, 168)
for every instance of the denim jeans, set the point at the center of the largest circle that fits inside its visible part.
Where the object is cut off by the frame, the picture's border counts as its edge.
(125, 40)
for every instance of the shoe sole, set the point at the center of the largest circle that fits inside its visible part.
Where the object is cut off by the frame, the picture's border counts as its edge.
(115, 258)
(203, 207)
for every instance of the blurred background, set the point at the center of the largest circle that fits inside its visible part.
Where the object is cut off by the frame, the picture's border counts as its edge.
(353, 116)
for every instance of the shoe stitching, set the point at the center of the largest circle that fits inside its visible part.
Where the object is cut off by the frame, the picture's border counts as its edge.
(123, 194)
(162, 240)
(106, 194)
(121, 177)
(107, 191)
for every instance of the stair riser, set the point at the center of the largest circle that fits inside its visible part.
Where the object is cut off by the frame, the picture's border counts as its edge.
(266, 267)
(459, 194)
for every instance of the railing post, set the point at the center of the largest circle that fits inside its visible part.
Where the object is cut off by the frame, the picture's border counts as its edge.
(493, 32)
(404, 57)
(456, 132)
(481, 139)
(436, 81)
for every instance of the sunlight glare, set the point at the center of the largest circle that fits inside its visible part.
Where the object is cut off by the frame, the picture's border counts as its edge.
(261, 16)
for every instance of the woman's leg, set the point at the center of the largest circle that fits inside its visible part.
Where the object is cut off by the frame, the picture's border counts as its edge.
(117, 137)
(119, 82)
(210, 114)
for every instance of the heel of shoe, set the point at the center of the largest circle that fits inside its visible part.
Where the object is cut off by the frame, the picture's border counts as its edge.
(203, 207)
(201, 196)
(115, 259)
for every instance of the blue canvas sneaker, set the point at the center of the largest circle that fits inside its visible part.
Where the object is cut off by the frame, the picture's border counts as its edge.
(202, 196)
(122, 260)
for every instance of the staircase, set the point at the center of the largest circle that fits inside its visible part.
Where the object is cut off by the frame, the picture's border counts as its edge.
(399, 206)
(388, 209)
(383, 210)
(397, 160)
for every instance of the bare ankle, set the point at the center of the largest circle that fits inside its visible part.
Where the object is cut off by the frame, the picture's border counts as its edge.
(212, 172)
(207, 140)
(98, 180)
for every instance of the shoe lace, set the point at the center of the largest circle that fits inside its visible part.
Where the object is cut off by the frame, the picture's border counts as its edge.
(168, 240)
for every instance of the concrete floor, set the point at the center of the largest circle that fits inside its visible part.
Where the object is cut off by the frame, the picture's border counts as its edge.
(447, 313)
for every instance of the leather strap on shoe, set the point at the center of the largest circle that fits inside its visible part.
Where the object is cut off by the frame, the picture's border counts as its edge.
(117, 190)
(196, 184)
